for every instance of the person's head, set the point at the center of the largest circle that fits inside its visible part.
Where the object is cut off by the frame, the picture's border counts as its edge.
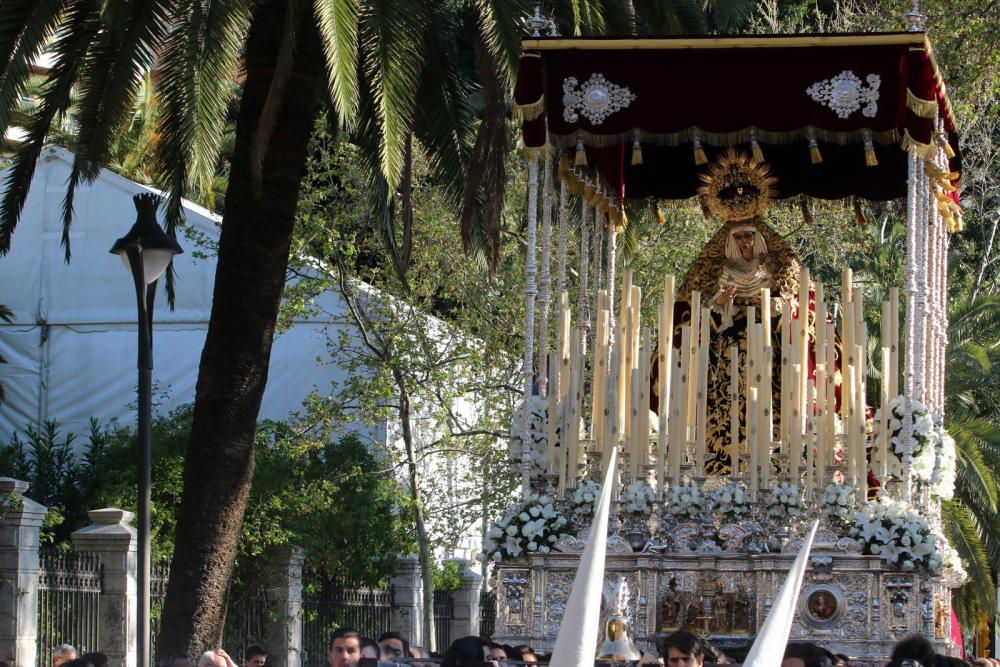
(499, 652)
(96, 659)
(982, 662)
(393, 646)
(683, 649)
(254, 656)
(178, 660)
(467, 652)
(63, 653)
(745, 242)
(914, 647)
(369, 649)
(345, 648)
(841, 660)
(804, 654)
(207, 659)
(525, 653)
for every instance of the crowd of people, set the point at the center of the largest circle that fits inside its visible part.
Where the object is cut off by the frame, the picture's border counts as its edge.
(348, 648)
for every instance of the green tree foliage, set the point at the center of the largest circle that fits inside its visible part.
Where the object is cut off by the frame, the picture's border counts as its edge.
(329, 497)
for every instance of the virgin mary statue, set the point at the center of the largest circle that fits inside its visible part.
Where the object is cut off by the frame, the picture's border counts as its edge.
(743, 257)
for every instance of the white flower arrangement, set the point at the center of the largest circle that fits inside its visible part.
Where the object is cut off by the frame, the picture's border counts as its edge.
(530, 526)
(839, 501)
(944, 475)
(897, 533)
(952, 563)
(924, 439)
(539, 456)
(539, 459)
(585, 498)
(686, 500)
(730, 499)
(783, 500)
(637, 499)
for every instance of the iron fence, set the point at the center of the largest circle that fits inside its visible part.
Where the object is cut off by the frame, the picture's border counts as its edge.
(158, 577)
(443, 613)
(487, 614)
(69, 590)
(340, 604)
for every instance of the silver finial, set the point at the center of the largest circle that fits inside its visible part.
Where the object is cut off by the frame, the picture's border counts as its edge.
(915, 20)
(536, 23)
(553, 28)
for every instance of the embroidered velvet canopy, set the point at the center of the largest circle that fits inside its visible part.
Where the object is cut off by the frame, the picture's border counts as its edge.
(833, 115)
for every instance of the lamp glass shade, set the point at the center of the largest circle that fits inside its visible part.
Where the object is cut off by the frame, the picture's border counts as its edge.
(154, 263)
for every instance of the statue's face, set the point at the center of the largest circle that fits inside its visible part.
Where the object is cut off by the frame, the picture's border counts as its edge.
(744, 241)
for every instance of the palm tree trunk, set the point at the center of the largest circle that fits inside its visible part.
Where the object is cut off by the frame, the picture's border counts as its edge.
(253, 256)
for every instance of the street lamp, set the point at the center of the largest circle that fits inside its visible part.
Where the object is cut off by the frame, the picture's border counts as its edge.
(146, 251)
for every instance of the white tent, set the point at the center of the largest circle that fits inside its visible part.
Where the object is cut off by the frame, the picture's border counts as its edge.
(71, 350)
(72, 347)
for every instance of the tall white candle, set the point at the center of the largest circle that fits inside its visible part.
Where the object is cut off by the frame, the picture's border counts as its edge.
(734, 410)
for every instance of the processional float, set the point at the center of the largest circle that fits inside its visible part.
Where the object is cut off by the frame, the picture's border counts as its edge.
(743, 414)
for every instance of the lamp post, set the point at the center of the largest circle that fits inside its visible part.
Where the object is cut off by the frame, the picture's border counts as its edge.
(146, 251)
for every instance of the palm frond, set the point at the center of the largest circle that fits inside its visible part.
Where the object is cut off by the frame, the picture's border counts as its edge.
(25, 25)
(730, 15)
(975, 321)
(109, 81)
(975, 479)
(338, 28)
(482, 209)
(78, 31)
(391, 37)
(200, 58)
(977, 599)
(500, 24)
(670, 18)
(445, 129)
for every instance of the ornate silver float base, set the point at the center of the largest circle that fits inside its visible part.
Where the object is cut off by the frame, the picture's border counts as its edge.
(850, 603)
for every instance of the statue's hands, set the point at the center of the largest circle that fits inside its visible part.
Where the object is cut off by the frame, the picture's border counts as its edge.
(725, 295)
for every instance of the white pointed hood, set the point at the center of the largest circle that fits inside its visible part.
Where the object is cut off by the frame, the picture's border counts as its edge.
(576, 643)
(769, 647)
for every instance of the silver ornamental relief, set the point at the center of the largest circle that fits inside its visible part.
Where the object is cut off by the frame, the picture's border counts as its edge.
(596, 99)
(845, 94)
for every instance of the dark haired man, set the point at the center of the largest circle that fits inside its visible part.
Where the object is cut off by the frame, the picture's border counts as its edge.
(804, 654)
(393, 646)
(345, 648)
(683, 649)
(254, 656)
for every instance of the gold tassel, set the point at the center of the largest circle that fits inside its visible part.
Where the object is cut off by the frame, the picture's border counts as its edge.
(699, 152)
(636, 153)
(660, 217)
(705, 210)
(859, 214)
(580, 159)
(807, 215)
(758, 154)
(814, 155)
(870, 158)
(948, 150)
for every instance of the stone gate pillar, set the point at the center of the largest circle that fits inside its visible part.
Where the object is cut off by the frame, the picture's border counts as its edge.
(110, 535)
(407, 601)
(465, 601)
(20, 524)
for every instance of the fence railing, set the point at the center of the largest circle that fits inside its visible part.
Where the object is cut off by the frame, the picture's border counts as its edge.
(443, 613)
(340, 604)
(69, 589)
(487, 614)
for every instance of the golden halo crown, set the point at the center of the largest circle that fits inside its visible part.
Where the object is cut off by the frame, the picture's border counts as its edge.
(736, 186)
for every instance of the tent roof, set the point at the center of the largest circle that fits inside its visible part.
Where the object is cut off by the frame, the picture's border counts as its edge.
(881, 91)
